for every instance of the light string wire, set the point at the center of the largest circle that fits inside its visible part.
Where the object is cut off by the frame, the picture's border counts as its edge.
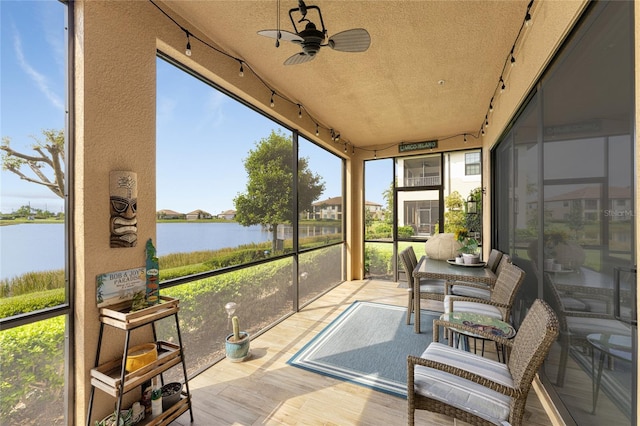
(509, 62)
(335, 135)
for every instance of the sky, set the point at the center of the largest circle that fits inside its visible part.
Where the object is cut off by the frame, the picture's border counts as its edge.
(202, 136)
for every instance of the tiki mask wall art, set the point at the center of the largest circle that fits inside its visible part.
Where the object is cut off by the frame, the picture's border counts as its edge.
(123, 196)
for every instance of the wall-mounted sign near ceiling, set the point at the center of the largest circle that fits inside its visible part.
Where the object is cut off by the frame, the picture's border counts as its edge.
(416, 146)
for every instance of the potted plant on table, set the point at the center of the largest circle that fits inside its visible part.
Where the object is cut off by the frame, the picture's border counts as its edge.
(469, 246)
(237, 343)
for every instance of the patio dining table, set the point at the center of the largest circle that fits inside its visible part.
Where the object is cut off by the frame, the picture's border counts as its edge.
(443, 270)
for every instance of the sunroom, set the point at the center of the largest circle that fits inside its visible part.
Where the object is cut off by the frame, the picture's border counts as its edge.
(525, 109)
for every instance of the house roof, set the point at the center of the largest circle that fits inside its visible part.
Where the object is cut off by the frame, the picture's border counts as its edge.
(336, 201)
(169, 212)
(591, 192)
(199, 212)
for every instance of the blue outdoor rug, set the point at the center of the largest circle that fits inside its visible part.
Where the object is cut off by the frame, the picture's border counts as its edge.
(368, 345)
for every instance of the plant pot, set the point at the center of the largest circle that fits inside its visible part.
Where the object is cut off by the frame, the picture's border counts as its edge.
(171, 394)
(470, 259)
(459, 260)
(237, 351)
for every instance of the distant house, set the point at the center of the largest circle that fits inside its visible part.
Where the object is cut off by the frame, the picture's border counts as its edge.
(331, 209)
(198, 214)
(227, 214)
(374, 208)
(169, 214)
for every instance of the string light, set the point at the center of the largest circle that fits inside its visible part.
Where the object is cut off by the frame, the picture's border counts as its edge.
(334, 136)
(511, 60)
(375, 155)
(527, 18)
(188, 49)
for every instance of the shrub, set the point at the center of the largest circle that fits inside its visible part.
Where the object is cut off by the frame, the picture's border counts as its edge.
(32, 365)
(10, 306)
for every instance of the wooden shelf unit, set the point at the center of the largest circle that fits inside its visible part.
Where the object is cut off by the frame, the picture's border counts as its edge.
(112, 378)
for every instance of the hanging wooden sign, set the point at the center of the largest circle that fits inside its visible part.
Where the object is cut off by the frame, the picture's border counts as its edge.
(416, 146)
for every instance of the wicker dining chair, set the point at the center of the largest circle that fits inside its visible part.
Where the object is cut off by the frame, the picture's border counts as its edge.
(502, 297)
(475, 289)
(478, 390)
(429, 289)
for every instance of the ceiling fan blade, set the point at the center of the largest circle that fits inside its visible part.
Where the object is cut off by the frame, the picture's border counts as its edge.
(299, 58)
(355, 40)
(284, 35)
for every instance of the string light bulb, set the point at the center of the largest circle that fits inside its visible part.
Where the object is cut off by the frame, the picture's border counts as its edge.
(299, 111)
(272, 103)
(491, 105)
(527, 18)
(513, 60)
(241, 73)
(465, 138)
(188, 49)
(375, 155)
(345, 148)
(482, 131)
(337, 137)
(317, 130)
(503, 86)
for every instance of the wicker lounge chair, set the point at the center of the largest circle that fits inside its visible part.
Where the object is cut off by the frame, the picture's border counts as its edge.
(429, 289)
(576, 325)
(478, 390)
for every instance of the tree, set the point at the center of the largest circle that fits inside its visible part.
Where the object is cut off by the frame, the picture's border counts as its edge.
(454, 217)
(387, 194)
(269, 197)
(47, 165)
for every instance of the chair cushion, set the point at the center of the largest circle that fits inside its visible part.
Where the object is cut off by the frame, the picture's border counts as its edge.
(582, 326)
(573, 304)
(432, 288)
(462, 393)
(476, 308)
(462, 290)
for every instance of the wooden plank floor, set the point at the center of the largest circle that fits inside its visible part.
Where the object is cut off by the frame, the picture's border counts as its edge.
(264, 390)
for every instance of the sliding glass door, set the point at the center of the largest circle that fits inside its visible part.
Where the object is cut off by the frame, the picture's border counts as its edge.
(564, 179)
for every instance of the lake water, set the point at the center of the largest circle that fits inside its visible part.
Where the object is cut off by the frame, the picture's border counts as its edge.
(40, 247)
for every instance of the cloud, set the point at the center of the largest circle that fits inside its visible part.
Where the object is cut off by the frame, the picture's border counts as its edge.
(39, 79)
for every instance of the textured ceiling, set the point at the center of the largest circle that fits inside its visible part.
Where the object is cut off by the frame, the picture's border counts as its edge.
(429, 73)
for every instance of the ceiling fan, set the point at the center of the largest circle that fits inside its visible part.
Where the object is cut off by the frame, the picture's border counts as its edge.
(311, 39)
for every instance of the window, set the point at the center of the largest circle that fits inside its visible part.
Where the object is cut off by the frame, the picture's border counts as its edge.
(472, 163)
(244, 222)
(33, 266)
(561, 157)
